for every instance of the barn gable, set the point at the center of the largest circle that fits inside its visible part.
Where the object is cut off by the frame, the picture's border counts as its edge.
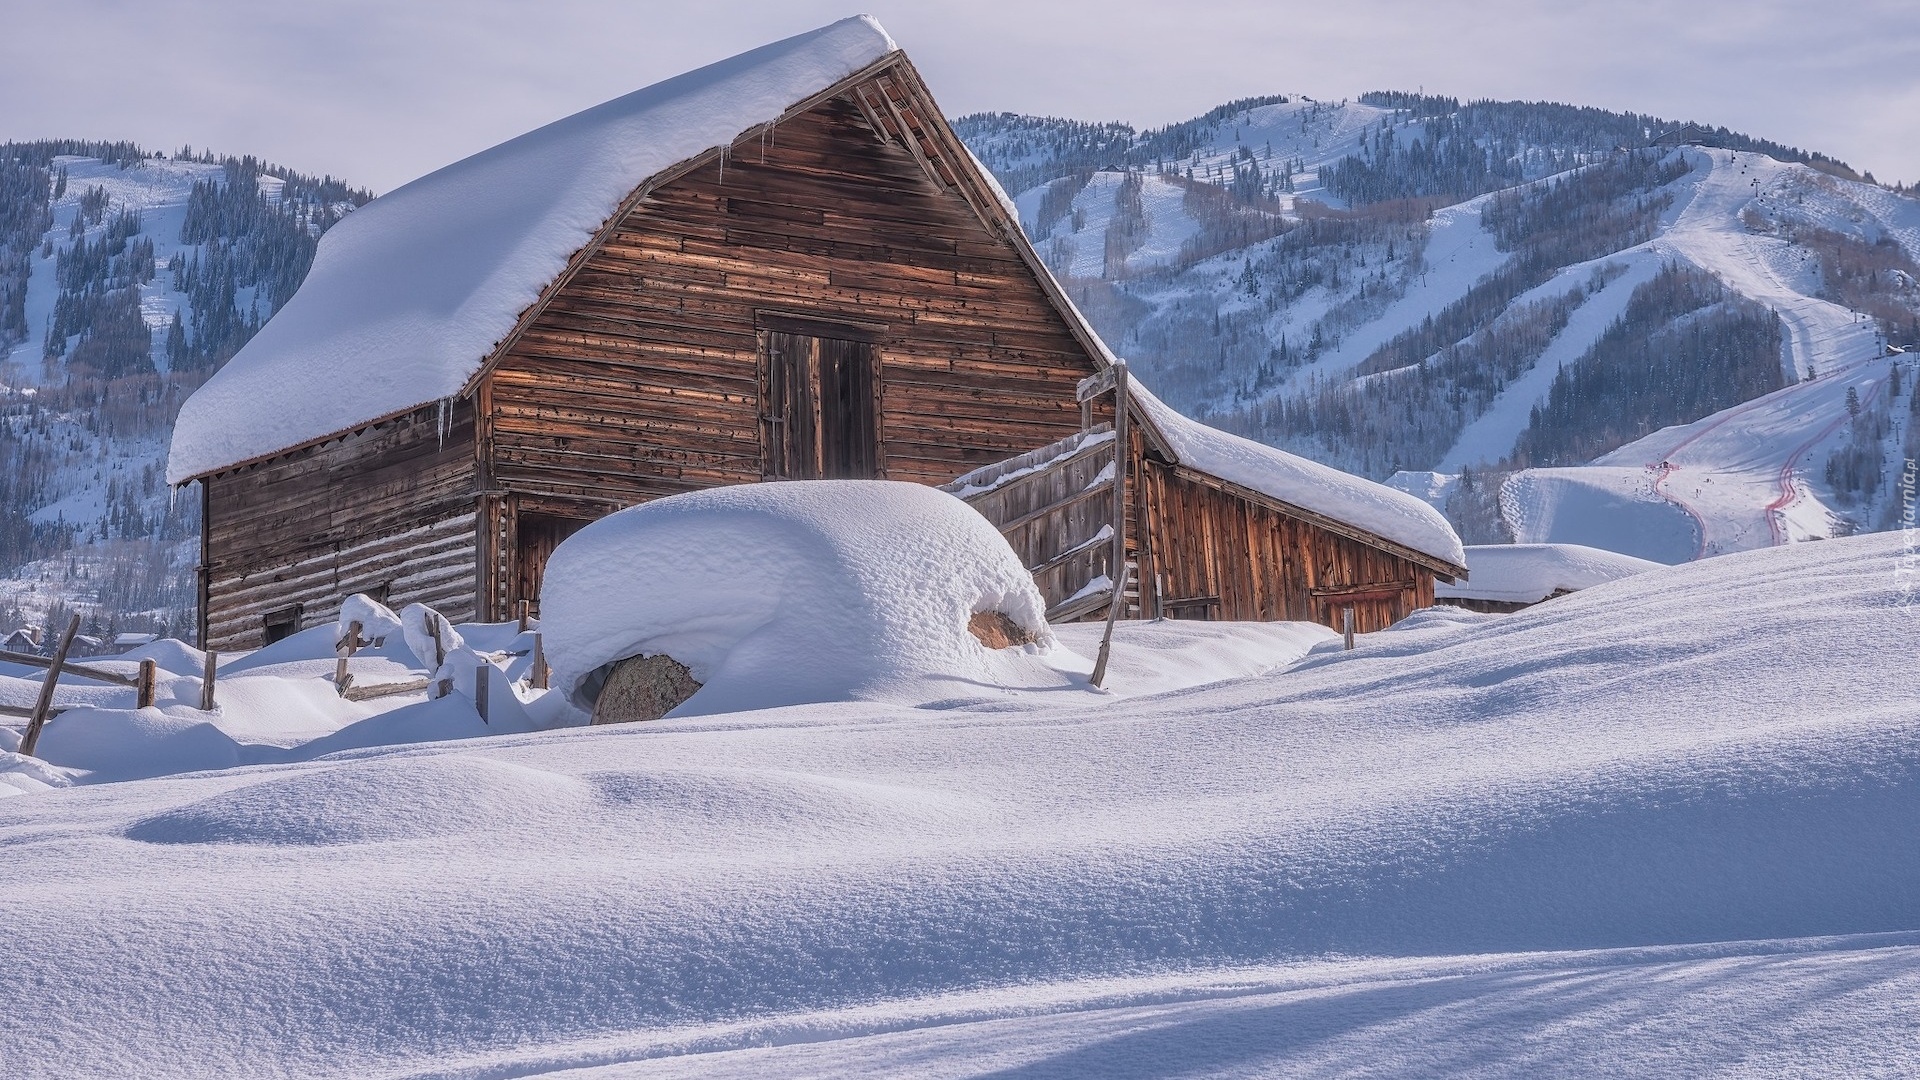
(654, 365)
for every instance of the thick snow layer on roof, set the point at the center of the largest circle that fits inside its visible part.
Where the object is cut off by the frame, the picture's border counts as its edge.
(1376, 508)
(1604, 836)
(778, 594)
(411, 292)
(1530, 573)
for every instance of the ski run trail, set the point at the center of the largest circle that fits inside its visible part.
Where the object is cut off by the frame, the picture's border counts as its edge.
(1745, 477)
(1743, 472)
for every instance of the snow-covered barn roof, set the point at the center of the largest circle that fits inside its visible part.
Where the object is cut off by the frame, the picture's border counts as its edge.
(1307, 485)
(1530, 573)
(410, 294)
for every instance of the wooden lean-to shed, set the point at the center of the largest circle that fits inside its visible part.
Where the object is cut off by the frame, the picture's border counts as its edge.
(781, 266)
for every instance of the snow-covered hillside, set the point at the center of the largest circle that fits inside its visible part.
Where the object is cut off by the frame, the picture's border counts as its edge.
(134, 276)
(1636, 830)
(1280, 268)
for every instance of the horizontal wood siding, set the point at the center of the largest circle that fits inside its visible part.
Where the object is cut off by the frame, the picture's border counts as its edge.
(1216, 555)
(392, 505)
(641, 378)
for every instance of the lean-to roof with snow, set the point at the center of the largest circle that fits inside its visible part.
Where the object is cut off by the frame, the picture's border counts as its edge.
(410, 294)
(1308, 485)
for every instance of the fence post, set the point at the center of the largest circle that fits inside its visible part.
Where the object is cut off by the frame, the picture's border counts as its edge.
(39, 718)
(206, 681)
(343, 649)
(1346, 621)
(143, 694)
(524, 617)
(481, 688)
(537, 673)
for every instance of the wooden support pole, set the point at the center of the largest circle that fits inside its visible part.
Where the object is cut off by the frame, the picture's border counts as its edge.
(525, 618)
(143, 694)
(206, 680)
(1346, 622)
(482, 686)
(1099, 675)
(1119, 558)
(343, 649)
(433, 631)
(537, 671)
(39, 718)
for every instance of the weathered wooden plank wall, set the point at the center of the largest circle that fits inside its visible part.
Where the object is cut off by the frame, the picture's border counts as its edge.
(642, 376)
(389, 506)
(1216, 554)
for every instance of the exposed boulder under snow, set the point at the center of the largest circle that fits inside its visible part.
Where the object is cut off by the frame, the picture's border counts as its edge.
(779, 594)
(1530, 573)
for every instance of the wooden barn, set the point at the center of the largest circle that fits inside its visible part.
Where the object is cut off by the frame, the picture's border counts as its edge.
(781, 266)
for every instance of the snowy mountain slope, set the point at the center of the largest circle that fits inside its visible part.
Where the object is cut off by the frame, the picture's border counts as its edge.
(139, 275)
(1356, 863)
(1307, 334)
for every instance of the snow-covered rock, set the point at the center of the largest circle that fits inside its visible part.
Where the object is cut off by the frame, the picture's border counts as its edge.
(777, 594)
(1530, 573)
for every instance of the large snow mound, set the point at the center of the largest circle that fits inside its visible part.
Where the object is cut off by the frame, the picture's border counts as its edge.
(1530, 573)
(1376, 508)
(411, 292)
(1709, 770)
(783, 593)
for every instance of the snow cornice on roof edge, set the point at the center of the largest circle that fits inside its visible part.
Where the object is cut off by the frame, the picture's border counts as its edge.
(411, 294)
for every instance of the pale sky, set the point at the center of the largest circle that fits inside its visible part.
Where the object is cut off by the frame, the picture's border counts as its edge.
(381, 91)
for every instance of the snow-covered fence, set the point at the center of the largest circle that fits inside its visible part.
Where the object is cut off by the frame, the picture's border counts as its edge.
(43, 709)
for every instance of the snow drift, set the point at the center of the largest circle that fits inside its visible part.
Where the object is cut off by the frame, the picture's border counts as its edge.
(1693, 762)
(778, 594)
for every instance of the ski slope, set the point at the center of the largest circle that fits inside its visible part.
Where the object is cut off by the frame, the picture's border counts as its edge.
(1639, 830)
(1748, 476)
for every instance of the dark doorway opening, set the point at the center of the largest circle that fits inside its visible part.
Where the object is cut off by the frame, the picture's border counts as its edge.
(819, 418)
(537, 536)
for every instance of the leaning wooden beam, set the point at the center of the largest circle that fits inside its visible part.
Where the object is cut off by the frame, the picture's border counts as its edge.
(1119, 564)
(42, 708)
(84, 671)
(380, 690)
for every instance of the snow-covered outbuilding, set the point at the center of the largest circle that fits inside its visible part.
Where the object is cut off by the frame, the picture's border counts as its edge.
(781, 266)
(1508, 577)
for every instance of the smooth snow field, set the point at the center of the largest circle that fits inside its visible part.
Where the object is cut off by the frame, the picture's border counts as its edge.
(1668, 825)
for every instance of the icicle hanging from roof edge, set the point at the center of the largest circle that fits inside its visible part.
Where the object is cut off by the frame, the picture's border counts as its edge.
(444, 419)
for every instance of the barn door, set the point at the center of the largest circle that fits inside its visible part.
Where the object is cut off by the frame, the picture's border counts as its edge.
(819, 415)
(536, 535)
